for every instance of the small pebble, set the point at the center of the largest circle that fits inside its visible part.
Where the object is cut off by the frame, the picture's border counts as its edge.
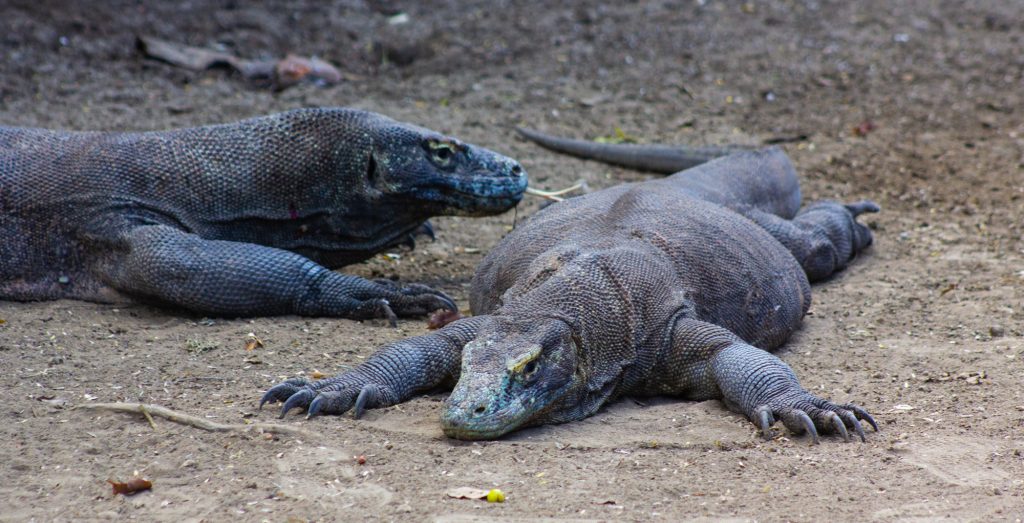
(996, 331)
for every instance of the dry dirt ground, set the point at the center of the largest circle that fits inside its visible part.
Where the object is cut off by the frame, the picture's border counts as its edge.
(924, 330)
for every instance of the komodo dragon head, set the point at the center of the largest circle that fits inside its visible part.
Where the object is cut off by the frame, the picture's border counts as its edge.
(515, 374)
(411, 164)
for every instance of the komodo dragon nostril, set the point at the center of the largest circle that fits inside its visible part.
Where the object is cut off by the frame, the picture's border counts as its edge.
(480, 409)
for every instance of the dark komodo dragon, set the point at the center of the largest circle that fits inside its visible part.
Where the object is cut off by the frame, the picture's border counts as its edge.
(678, 286)
(238, 219)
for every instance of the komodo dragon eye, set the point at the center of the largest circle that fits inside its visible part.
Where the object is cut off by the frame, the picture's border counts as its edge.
(442, 153)
(530, 368)
(526, 365)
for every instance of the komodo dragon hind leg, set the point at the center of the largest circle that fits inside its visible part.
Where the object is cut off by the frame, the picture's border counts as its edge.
(824, 236)
(711, 362)
(233, 278)
(393, 374)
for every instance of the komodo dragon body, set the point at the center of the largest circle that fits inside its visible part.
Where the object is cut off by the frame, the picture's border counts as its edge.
(677, 286)
(237, 219)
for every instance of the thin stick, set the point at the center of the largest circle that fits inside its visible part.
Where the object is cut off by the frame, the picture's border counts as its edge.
(142, 409)
(553, 195)
(192, 421)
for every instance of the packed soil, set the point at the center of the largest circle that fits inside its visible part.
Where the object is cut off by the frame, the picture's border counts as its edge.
(916, 104)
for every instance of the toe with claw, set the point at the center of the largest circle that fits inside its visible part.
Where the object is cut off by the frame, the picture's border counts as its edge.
(813, 416)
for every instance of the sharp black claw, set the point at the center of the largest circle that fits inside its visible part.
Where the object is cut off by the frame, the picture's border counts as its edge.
(314, 407)
(765, 421)
(859, 430)
(839, 426)
(867, 417)
(410, 242)
(449, 302)
(388, 313)
(299, 399)
(267, 396)
(367, 394)
(805, 420)
(861, 207)
(863, 415)
(851, 421)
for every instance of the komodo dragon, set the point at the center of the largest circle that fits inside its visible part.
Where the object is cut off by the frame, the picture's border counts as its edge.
(677, 286)
(239, 219)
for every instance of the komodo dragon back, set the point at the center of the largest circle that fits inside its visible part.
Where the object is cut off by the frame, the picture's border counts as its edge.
(236, 219)
(678, 286)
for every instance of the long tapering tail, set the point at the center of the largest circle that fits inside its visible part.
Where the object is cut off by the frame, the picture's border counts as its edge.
(666, 159)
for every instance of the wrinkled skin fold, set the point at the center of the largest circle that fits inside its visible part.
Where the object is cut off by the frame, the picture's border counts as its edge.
(680, 286)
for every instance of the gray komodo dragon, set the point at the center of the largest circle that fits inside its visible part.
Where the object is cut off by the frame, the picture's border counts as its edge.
(677, 286)
(238, 219)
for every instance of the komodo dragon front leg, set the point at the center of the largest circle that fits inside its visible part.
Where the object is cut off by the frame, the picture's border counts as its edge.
(395, 373)
(235, 278)
(705, 361)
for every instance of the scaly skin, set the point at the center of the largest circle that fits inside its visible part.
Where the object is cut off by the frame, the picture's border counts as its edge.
(238, 219)
(678, 286)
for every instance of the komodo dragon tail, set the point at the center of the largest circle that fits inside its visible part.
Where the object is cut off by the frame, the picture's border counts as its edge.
(666, 159)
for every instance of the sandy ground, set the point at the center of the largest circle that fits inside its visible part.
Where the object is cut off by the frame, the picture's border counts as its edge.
(924, 330)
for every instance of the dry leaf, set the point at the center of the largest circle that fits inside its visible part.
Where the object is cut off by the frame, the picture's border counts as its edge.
(467, 493)
(442, 317)
(253, 343)
(317, 375)
(275, 73)
(130, 487)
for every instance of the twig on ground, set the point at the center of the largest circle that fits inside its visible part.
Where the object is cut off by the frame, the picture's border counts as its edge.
(149, 418)
(149, 410)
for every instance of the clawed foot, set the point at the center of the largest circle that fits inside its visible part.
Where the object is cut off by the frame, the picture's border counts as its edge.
(334, 396)
(813, 415)
(411, 300)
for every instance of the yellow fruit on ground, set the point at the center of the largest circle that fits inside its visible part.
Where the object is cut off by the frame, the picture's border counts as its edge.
(495, 496)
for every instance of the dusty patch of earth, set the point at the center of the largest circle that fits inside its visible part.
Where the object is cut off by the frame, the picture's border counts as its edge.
(924, 330)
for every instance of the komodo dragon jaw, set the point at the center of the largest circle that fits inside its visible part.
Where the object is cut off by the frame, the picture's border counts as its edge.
(441, 174)
(514, 378)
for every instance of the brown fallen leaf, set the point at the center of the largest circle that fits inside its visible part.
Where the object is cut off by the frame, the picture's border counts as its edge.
(317, 375)
(294, 69)
(279, 74)
(442, 317)
(132, 486)
(253, 342)
(467, 493)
